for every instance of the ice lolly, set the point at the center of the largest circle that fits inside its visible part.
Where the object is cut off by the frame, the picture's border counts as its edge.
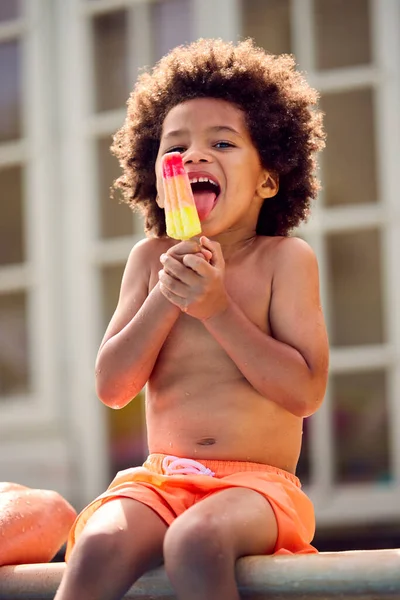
(181, 216)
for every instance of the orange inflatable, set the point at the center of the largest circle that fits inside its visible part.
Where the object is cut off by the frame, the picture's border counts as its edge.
(34, 524)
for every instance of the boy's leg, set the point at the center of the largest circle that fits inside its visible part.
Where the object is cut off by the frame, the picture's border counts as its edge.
(121, 541)
(202, 545)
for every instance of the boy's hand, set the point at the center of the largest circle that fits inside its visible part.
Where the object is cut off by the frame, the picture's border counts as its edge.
(192, 283)
(189, 247)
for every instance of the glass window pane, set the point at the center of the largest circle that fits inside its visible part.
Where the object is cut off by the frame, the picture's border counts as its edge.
(268, 23)
(171, 25)
(127, 436)
(361, 427)
(349, 159)
(111, 277)
(342, 30)
(303, 466)
(14, 367)
(110, 56)
(12, 249)
(9, 10)
(116, 219)
(355, 289)
(126, 429)
(10, 91)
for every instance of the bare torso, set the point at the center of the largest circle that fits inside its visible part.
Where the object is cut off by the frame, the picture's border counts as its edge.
(198, 403)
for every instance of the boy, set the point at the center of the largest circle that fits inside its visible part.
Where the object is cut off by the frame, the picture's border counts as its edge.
(226, 330)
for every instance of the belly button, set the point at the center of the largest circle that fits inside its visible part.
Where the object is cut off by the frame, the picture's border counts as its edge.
(207, 442)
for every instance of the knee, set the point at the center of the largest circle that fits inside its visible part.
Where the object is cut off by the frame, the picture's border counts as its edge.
(197, 541)
(93, 550)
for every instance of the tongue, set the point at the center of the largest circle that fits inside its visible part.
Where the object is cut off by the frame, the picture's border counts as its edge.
(204, 203)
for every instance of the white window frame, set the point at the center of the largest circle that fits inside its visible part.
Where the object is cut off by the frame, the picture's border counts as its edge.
(82, 126)
(34, 277)
(354, 503)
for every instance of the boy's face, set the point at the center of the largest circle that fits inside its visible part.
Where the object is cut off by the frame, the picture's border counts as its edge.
(215, 144)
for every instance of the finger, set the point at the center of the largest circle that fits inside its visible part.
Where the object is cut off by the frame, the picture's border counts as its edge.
(178, 270)
(197, 264)
(175, 286)
(217, 259)
(204, 254)
(207, 254)
(171, 265)
(184, 247)
(177, 300)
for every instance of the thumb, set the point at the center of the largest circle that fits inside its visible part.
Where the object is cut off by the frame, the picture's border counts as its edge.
(217, 258)
(204, 253)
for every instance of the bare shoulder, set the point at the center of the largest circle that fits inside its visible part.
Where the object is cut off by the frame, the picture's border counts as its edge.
(296, 261)
(286, 251)
(294, 248)
(295, 268)
(293, 244)
(284, 257)
(142, 258)
(148, 248)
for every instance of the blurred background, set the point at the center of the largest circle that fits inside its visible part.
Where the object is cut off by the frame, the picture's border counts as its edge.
(66, 69)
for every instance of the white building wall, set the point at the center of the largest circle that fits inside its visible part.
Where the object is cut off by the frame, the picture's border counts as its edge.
(80, 59)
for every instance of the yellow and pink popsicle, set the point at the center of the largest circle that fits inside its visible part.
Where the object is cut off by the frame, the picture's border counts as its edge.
(181, 217)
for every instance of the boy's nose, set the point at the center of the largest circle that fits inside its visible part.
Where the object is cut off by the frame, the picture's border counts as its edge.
(195, 156)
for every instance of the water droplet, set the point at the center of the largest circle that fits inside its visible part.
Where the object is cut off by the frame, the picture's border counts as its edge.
(27, 502)
(23, 530)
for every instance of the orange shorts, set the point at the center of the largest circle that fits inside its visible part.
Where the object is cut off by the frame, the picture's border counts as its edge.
(170, 486)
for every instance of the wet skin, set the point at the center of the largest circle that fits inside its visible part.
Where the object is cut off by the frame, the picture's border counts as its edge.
(232, 362)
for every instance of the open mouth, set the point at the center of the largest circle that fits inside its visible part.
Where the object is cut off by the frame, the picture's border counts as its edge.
(205, 192)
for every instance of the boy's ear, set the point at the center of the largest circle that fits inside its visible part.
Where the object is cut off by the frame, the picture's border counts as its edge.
(269, 185)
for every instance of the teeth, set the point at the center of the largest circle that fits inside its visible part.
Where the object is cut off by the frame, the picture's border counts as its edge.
(203, 180)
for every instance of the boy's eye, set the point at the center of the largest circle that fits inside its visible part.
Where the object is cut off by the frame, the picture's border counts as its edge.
(224, 145)
(180, 149)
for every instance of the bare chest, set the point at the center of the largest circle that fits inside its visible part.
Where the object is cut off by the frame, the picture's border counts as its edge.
(249, 286)
(189, 343)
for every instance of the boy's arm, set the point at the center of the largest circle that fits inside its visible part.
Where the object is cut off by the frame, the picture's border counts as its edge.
(136, 333)
(290, 367)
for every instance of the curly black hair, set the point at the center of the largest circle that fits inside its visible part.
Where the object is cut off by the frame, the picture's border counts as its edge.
(280, 111)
